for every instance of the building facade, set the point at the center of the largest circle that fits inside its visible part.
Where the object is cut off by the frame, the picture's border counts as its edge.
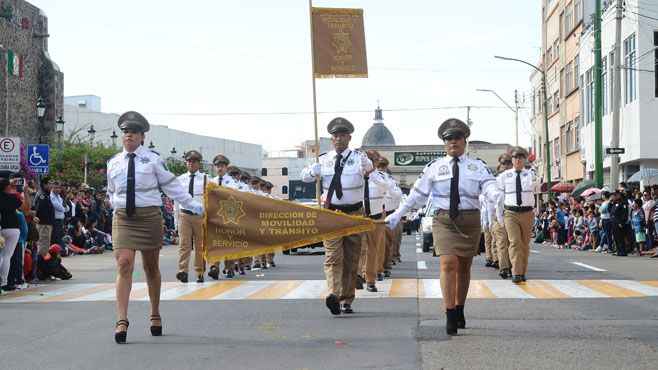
(639, 90)
(27, 73)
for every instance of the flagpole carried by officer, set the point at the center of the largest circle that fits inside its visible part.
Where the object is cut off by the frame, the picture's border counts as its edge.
(188, 223)
(519, 185)
(342, 171)
(133, 179)
(455, 183)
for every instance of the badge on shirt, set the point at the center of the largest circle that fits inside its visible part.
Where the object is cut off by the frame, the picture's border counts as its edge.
(443, 170)
(329, 164)
(144, 160)
(524, 174)
(510, 174)
(472, 167)
(350, 162)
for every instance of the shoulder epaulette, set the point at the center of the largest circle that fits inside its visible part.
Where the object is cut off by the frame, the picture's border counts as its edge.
(432, 161)
(321, 154)
(153, 151)
(358, 150)
(481, 160)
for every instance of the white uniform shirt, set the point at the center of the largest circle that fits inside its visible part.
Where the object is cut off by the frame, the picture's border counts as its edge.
(474, 179)
(487, 213)
(227, 180)
(199, 180)
(393, 197)
(355, 164)
(530, 184)
(378, 185)
(150, 172)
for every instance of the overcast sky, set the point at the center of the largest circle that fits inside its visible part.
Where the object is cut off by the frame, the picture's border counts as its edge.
(241, 69)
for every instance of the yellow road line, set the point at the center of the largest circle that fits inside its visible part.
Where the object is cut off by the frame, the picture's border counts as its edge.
(540, 289)
(403, 288)
(211, 291)
(477, 289)
(78, 294)
(144, 292)
(649, 283)
(276, 290)
(608, 289)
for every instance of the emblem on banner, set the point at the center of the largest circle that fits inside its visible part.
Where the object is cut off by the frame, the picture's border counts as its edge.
(341, 42)
(230, 210)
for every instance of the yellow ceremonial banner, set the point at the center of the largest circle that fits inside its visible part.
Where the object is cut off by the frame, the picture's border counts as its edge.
(239, 224)
(339, 43)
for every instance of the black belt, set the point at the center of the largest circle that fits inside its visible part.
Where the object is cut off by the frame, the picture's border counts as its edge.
(188, 212)
(347, 208)
(518, 209)
(461, 211)
(376, 217)
(389, 213)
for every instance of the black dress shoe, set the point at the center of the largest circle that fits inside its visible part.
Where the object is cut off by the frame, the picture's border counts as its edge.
(523, 278)
(387, 273)
(230, 274)
(495, 265)
(516, 279)
(504, 273)
(371, 288)
(199, 279)
(333, 304)
(347, 308)
(451, 321)
(272, 264)
(380, 277)
(393, 262)
(214, 272)
(263, 266)
(359, 282)
(461, 321)
(182, 276)
(242, 272)
(488, 263)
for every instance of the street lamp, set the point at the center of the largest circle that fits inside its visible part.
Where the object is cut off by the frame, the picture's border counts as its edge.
(173, 151)
(151, 146)
(41, 110)
(91, 133)
(548, 149)
(515, 110)
(59, 127)
(114, 137)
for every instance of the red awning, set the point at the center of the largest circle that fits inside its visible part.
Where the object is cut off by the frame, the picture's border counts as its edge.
(562, 187)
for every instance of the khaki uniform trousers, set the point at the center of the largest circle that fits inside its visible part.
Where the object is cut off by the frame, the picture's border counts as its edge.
(372, 242)
(190, 228)
(387, 253)
(341, 262)
(490, 246)
(397, 241)
(501, 244)
(263, 258)
(45, 232)
(519, 230)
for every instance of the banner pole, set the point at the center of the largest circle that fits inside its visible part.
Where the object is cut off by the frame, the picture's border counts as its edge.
(318, 189)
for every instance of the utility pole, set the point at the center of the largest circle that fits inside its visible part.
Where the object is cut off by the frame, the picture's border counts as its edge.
(516, 115)
(598, 99)
(616, 99)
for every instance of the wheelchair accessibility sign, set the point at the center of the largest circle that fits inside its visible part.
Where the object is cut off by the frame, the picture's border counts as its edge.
(37, 157)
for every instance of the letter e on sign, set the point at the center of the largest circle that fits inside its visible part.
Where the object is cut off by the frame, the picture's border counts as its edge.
(7, 145)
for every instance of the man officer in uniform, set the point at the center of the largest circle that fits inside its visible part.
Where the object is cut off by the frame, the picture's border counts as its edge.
(190, 224)
(342, 171)
(519, 184)
(500, 237)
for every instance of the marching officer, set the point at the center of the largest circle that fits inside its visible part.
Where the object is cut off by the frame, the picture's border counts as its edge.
(500, 237)
(487, 213)
(190, 224)
(391, 202)
(133, 179)
(519, 185)
(342, 171)
(454, 182)
(373, 243)
(220, 163)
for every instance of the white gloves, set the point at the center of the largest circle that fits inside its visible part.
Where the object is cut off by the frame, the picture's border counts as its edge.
(499, 199)
(393, 219)
(316, 168)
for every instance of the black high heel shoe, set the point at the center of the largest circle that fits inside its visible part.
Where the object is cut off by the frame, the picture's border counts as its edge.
(120, 336)
(156, 331)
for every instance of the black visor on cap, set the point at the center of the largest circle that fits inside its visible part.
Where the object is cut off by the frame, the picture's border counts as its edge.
(131, 126)
(453, 135)
(339, 128)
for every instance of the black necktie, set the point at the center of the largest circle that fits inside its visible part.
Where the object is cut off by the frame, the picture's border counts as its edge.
(221, 179)
(335, 185)
(519, 201)
(130, 186)
(454, 189)
(190, 188)
(366, 196)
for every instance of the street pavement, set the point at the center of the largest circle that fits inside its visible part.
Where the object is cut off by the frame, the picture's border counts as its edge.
(578, 310)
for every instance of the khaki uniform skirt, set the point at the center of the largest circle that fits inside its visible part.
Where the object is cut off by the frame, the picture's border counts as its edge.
(458, 237)
(141, 232)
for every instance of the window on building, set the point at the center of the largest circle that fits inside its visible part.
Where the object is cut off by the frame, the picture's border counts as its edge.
(569, 138)
(284, 171)
(549, 56)
(611, 77)
(578, 11)
(568, 18)
(549, 106)
(533, 107)
(563, 28)
(563, 87)
(284, 189)
(604, 84)
(576, 137)
(263, 172)
(556, 49)
(568, 79)
(576, 72)
(563, 139)
(589, 98)
(556, 101)
(556, 148)
(629, 70)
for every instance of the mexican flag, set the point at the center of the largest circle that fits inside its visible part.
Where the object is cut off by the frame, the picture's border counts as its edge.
(14, 63)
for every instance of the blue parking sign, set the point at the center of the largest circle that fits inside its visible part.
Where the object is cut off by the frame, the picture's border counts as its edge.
(38, 156)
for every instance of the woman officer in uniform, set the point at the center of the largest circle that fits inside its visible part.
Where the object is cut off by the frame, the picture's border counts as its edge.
(133, 178)
(455, 183)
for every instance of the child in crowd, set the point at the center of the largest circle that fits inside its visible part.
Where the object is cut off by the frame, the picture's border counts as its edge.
(593, 225)
(639, 224)
(51, 268)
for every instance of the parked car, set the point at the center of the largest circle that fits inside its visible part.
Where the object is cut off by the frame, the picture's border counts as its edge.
(309, 203)
(426, 227)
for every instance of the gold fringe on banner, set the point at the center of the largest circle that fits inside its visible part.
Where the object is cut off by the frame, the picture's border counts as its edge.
(234, 224)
